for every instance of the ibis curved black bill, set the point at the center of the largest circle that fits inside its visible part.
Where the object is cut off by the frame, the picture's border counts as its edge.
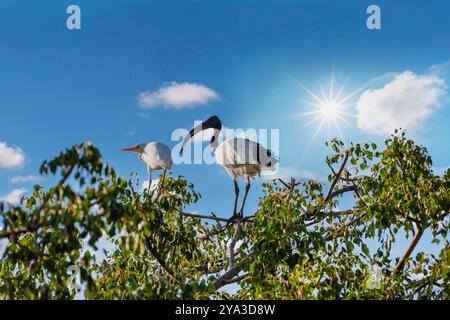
(212, 122)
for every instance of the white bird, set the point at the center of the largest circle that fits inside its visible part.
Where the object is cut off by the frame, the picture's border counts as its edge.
(239, 156)
(155, 155)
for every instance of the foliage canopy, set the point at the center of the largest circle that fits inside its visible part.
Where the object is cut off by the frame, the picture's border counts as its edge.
(299, 244)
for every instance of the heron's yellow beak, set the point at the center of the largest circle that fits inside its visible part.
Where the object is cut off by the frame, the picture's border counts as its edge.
(131, 148)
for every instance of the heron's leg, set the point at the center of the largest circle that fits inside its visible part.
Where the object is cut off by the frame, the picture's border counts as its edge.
(149, 179)
(236, 196)
(247, 188)
(161, 187)
(164, 178)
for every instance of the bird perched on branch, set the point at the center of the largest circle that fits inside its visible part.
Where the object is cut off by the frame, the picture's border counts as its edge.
(156, 155)
(240, 157)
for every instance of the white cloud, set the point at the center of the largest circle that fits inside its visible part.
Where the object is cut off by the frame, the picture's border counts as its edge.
(11, 157)
(405, 102)
(288, 172)
(143, 115)
(177, 96)
(22, 179)
(132, 132)
(381, 80)
(13, 197)
(440, 69)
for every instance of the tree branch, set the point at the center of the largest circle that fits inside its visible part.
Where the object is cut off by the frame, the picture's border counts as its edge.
(236, 279)
(160, 260)
(232, 245)
(332, 236)
(422, 284)
(233, 272)
(342, 191)
(281, 180)
(202, 216)
(37, 225)
(409, 250)
(331, 194)
(337, 176)
(67, 175)
(18, 231)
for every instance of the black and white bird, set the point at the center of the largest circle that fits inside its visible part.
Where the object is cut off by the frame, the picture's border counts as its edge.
(240, 157)
(156, 155)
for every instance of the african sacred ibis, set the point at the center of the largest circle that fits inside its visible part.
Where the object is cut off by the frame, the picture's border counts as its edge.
(155, 155)
(240, 157)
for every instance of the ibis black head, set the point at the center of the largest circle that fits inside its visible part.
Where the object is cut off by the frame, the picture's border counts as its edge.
(212, 122)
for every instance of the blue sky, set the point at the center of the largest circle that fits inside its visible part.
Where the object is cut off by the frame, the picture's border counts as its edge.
(61, 87)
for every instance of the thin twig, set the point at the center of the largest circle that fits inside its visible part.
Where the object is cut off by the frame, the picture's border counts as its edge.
(339, 233)
(202, 216)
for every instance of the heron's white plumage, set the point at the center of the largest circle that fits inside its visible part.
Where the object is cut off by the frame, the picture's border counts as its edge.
(157, 156)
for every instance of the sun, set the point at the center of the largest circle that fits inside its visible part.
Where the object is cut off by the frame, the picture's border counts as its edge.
(329, 108)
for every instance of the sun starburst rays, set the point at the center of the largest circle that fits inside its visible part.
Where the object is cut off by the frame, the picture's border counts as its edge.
(328, 107)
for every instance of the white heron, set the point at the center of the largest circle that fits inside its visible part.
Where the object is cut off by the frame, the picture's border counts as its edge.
(156, 155)
(240, 157)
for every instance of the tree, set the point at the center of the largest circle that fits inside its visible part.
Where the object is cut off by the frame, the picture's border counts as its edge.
(297, 245)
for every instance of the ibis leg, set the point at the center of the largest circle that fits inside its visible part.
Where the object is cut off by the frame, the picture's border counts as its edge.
(247, 188)
(236, 196)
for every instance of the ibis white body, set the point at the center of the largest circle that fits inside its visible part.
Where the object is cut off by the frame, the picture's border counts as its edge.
(244, 158)
(241, 158)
